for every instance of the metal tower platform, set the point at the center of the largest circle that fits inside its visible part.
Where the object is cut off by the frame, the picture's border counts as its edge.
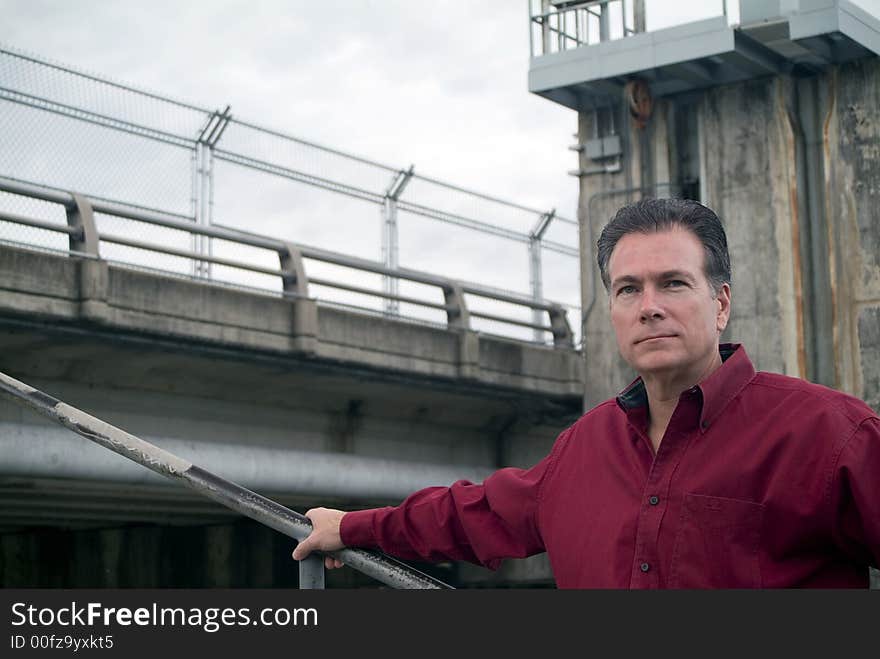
(785, 36)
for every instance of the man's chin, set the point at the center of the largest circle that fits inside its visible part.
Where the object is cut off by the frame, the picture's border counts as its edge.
(656, 361)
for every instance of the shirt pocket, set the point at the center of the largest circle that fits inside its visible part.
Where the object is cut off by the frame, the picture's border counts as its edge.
(717, 544)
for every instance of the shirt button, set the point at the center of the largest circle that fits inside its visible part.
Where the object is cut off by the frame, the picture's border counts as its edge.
(644, 567)
(654, 500)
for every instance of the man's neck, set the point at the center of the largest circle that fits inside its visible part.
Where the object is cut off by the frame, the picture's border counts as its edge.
(664, 389)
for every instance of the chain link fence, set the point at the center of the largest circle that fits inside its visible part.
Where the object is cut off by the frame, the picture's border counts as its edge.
(69, 129)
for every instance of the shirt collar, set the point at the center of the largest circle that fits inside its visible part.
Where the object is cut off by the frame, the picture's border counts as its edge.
(717, 390)
(725, 383)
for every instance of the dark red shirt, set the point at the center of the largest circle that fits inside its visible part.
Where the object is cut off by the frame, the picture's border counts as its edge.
(761, 480)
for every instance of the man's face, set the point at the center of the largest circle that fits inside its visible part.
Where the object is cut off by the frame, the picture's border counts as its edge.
(665, 314)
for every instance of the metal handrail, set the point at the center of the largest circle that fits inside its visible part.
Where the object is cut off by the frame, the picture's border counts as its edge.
(552, 20)
(453, 290)
(381, 567)
(39, 224)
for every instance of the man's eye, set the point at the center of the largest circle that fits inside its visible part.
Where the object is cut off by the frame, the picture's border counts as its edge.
(673, 283)
(626, 290)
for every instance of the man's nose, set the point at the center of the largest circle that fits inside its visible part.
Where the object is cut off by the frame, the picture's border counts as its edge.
(650, 308)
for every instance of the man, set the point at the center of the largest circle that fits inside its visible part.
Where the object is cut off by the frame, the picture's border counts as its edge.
(702, 473)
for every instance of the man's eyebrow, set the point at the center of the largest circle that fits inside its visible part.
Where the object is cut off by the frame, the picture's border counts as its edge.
(679, 274)
(668, 274)
(625, 279)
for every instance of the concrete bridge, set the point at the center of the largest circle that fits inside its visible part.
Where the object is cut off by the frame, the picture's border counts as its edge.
(302, 402)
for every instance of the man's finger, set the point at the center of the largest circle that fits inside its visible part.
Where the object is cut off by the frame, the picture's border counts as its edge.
(302, 550)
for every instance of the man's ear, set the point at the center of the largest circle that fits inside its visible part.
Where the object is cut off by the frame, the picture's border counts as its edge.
(723, 315)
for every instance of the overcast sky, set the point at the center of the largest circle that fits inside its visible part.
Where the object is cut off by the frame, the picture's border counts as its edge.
(435, 83)
(438, 84)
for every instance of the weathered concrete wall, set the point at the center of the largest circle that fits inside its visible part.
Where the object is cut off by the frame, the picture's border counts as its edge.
(792, 168)
(748, 177)
(852, 161)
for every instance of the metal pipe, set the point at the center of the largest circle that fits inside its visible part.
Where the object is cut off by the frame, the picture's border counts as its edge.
(510, 321)
(314, 145)
(39, 224)
(294, 175)
(119, 240)
(544, 305)
(460, 220)
(37, 191)
(94, 118)
(215, 231)
(25, 447)
(487, 197)
(367, 291)
(233, 496)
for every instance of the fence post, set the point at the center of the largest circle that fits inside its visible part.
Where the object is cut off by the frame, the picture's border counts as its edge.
(204, 186)
(311, 573)
(535, 280)
(390, 285)
(536, 269)
(200, 207)
(545, 27)
(604, 22)
(305, 310)
(390, 249)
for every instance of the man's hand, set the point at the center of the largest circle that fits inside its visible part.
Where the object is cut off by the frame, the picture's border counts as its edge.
(324, 536)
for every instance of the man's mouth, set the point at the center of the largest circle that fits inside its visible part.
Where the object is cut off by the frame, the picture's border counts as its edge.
(655, 337)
